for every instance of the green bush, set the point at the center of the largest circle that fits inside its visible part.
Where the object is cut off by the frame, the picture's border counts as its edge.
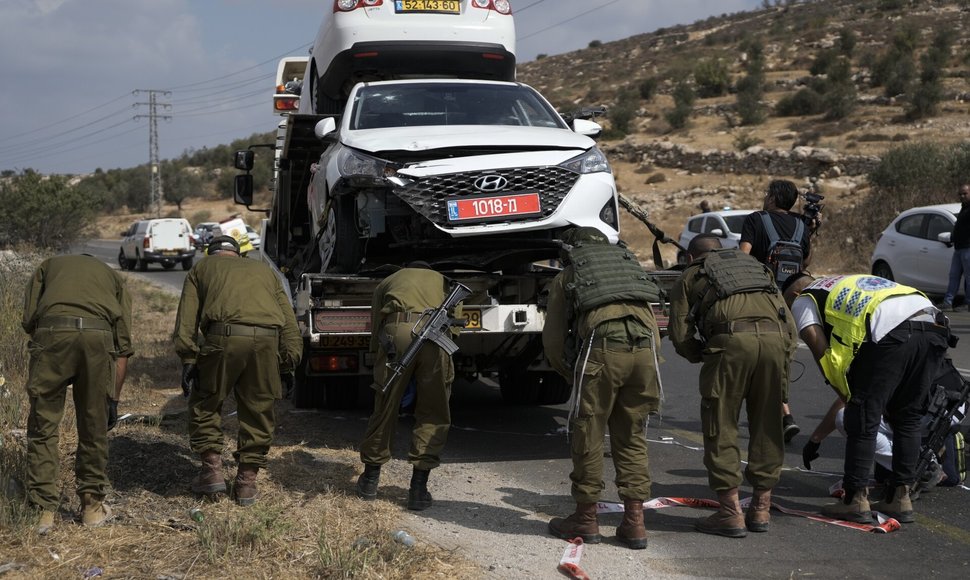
(45, 212)
(678, 117)
(595, 43)
(647, 88)
(712, 77)
(804, 102)
(823, 60)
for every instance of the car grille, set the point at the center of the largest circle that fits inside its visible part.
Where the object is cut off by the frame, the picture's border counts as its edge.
(429, 196)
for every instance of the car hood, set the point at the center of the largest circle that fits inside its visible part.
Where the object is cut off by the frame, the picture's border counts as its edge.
(459, 136)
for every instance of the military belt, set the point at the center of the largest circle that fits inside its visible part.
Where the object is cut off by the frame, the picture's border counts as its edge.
(399, 317)
(237, 329)
(74, 322)
(762, 326)
(925, 326)
(631, 343)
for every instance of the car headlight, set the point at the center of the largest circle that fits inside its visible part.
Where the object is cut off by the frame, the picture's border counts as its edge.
(592, 161)
(354, 164)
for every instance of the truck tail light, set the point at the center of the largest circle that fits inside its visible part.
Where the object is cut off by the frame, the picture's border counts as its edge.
(500, 6)
(351, 5)
(286, 103)
(146, 243)
(333, 363)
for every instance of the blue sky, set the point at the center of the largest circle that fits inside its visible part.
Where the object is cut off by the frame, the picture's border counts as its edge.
(70, 67)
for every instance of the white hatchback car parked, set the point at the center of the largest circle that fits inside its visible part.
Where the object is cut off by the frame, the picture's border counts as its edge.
(367, 40)
(726, 224)
(915, 249)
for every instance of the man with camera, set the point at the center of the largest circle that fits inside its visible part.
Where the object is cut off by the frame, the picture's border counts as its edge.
(764, 235)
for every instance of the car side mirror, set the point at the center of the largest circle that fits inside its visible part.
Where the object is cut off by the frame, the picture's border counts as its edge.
(586, 127)
(124, 234)
(324, 128)
(945, 238)
(718, 232)
(243, 189)
(244, 160)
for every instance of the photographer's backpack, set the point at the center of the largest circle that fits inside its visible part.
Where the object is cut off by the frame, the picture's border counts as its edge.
(604, 273)
(785, 257)
(730, 272)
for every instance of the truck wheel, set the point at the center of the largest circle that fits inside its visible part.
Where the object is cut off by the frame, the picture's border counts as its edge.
(554, 389)
(323, 104)
(187, 264)
(122, 262)
(168, 265)
(141, 264)
(341, 249)
(310, 392)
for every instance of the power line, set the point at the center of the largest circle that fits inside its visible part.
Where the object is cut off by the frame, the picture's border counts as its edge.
(56, 123)
(567, 20)
(265, 62)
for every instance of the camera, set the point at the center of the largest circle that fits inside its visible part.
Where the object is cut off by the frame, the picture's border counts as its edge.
(811, 209)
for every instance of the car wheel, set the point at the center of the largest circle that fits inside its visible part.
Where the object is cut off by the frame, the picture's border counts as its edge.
(140, 264)
(882, 270)
(122, 262)
(324, 105)
(168, 265)
(341, 249)
(187, 264)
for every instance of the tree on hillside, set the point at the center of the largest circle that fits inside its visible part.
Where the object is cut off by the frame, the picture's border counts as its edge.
(712, 77)
(896, 69)
(751, 87)
(684, 97)
(44, 211)
(181, 185)
(839, 99)
(929, 93)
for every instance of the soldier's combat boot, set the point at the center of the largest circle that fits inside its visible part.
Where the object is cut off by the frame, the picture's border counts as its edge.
(367, 482)
(896, 504)
(727, 520)
(418, 496)
(244, 488)
(45, 523)
(210, 479)
(854, 507)
(758, 516)
(582, 524)
(94, 512)
(631, 531)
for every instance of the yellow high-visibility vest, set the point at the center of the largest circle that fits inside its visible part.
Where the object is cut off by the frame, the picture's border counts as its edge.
(849, 302)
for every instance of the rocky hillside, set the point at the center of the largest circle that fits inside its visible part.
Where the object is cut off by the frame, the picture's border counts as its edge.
(723, 153)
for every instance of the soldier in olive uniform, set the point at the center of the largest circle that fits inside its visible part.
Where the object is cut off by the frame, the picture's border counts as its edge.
(619, 387)
(396, 306)
(746, 342)
(78, 314)
(250, 344)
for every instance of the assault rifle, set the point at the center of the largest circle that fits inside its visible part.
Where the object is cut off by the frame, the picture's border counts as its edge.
(944, 405)
(641, 214)
(434, 325)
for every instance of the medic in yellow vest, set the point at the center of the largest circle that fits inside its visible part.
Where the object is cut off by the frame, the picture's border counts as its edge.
(849, 302)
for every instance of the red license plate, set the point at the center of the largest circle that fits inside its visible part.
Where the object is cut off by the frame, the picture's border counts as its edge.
(492, 207)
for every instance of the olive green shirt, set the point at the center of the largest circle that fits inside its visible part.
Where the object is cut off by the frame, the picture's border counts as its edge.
(80, 287)
(749, 306)
(407, 290)
(616, 321)
(234, 290)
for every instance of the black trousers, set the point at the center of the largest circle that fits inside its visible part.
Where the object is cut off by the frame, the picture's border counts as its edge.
(891, 378)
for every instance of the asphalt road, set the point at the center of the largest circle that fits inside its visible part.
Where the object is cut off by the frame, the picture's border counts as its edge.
(525, 448)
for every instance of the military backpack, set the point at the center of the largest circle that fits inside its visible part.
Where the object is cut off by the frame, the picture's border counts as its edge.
(604, 273)
(730, 272)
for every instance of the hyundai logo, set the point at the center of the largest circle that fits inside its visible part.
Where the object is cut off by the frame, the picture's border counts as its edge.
(491, 183)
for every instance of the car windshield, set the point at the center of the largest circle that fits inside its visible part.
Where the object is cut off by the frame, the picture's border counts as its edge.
(436, 104)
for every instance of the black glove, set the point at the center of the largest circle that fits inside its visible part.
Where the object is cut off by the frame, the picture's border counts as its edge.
(287, 380)
(112, 413)
(810, 453)
(190, 376)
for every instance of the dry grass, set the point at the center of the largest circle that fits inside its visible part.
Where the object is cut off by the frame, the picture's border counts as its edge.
(306, 524)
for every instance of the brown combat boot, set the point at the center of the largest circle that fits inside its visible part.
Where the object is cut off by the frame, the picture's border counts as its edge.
(758, 516)
(727, 520)
(631, 531)
(854, 507)
(210, 479)
(94, 512)
(582, 523)
(245, 486)
(896, 504)
(45, 523)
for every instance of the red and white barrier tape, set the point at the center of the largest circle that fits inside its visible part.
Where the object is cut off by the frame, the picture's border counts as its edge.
(884, 525)
(569, 563)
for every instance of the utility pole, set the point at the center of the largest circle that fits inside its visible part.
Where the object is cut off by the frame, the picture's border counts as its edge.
(153, 117)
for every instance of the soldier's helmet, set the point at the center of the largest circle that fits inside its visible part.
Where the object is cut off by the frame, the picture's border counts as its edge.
(223, 244)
